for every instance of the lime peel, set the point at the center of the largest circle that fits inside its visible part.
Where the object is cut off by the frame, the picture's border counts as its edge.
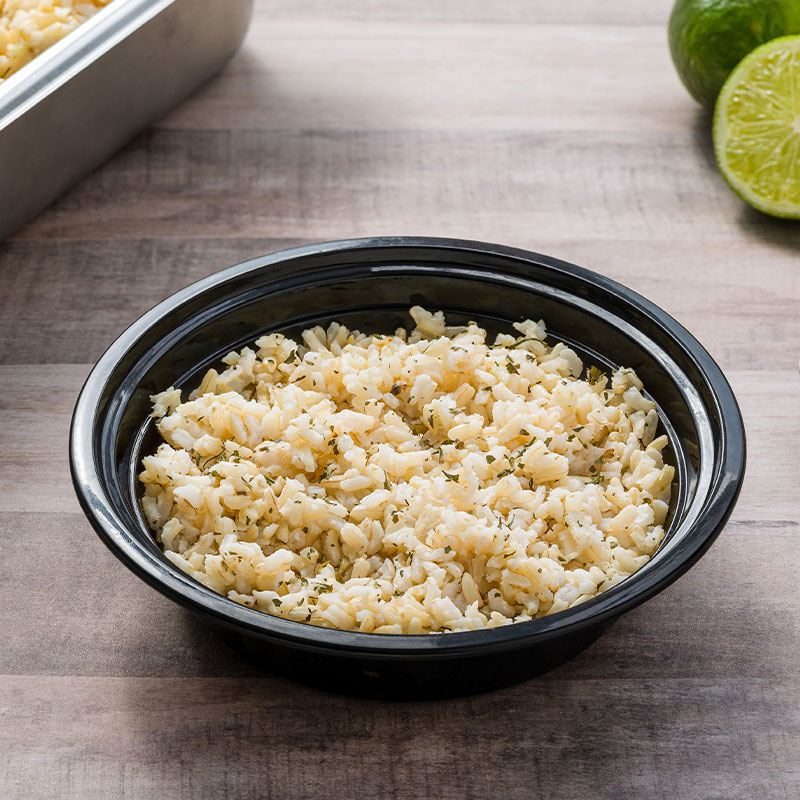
(708, 38)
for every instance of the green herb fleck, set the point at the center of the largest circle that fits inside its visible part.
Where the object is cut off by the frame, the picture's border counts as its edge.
(450, 477)
(210, 459)
(328, 471)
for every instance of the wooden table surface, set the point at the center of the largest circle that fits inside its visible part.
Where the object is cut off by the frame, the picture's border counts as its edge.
(555, 126)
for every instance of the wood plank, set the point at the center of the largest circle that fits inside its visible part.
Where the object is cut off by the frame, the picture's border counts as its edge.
(65, 302)
(542, 12)
(691, 629)
(334, 184)
(239, 738)
(450, 75)
(742, 304)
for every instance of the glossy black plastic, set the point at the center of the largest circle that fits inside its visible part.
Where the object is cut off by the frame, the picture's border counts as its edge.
(370, 284)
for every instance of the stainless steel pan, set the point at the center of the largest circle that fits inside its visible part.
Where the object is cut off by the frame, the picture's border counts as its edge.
(70, 108)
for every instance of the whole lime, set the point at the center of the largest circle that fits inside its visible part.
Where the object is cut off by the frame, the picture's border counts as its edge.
(708, 38)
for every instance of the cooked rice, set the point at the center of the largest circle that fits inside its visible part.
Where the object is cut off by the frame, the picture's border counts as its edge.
(408, 484)
(29, 27)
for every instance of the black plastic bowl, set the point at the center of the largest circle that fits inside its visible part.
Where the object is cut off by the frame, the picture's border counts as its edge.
(370, 284)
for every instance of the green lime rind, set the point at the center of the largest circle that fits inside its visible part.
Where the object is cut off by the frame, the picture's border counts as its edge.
(756, 128)
(708, 38)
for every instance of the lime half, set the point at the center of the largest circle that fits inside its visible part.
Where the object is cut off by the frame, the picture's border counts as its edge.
(757, 128)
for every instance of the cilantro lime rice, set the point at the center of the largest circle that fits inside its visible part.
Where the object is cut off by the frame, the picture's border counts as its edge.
(416, 483)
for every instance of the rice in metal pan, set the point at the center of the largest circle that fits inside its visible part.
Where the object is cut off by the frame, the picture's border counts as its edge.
(29, 27)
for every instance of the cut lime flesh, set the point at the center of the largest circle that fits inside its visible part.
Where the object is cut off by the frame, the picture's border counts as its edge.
(757, 128)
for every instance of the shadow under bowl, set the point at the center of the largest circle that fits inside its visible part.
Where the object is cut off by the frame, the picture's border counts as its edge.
(370, 284)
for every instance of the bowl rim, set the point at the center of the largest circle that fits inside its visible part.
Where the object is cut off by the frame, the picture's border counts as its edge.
(170, 581)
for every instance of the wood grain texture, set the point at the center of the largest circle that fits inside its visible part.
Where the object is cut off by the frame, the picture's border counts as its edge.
(451, 75)
(542, 12)
(224, 737)
(135, 632)
(306, 184)
(555, 126)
